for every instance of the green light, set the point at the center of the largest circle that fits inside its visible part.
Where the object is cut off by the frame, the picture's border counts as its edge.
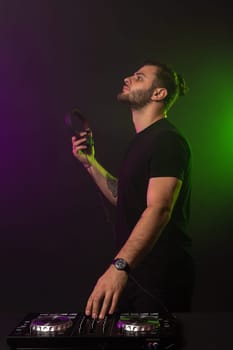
(210, 130)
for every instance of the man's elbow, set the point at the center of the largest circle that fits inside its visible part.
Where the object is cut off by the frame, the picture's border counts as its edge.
(165, 213)
(162, 211)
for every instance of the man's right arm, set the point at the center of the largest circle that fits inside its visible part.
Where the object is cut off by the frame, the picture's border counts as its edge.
(106, 182)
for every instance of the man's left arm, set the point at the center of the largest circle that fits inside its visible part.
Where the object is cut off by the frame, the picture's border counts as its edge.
(161, 197)
(162, 194)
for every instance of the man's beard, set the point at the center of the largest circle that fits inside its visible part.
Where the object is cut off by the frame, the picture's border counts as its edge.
(136, 99)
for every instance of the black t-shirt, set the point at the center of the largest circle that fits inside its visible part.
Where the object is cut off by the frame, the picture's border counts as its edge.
(160, 150)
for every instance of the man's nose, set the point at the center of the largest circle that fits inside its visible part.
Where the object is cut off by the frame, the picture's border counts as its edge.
(127, 81)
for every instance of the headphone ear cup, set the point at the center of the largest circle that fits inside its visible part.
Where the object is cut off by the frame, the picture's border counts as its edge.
(77, 122)
(77, 115)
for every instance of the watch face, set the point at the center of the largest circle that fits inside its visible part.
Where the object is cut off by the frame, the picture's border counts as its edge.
(121, 264)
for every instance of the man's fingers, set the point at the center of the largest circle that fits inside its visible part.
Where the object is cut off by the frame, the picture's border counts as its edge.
(93, 306)
(88, 308)
(79, 146)
(79, 141)
(98, 306)
(114, 303)
(105, 305)
(82, 133)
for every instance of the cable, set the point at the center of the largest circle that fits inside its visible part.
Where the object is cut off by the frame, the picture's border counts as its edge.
(156, 297)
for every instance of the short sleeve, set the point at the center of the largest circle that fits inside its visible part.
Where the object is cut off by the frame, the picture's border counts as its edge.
(170, 156)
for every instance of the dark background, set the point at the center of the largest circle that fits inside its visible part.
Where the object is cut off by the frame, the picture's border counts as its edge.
(56, 230)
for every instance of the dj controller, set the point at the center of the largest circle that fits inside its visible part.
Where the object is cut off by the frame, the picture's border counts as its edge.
(71, 331)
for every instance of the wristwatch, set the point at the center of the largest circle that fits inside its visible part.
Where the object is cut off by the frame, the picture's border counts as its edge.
(121, 264)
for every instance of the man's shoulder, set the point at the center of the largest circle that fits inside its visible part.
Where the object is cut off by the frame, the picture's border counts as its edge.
(170, 131)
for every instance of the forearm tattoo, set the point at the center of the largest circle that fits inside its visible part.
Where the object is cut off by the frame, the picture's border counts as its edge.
(112, 185)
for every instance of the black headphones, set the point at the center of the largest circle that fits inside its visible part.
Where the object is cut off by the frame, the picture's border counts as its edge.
(77, 122)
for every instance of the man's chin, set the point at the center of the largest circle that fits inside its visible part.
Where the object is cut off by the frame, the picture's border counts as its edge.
(122, 97)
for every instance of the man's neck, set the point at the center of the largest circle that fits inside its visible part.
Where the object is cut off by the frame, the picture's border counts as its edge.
(146, 116)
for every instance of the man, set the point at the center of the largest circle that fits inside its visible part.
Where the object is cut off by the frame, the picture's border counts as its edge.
(153, 268)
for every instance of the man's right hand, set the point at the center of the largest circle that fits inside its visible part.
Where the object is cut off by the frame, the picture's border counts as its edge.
(79, 148)
(104, 180)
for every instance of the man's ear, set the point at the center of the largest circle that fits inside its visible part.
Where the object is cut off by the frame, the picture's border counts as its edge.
(159, 94)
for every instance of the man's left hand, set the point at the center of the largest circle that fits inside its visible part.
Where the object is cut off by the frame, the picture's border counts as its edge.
(106, 293)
